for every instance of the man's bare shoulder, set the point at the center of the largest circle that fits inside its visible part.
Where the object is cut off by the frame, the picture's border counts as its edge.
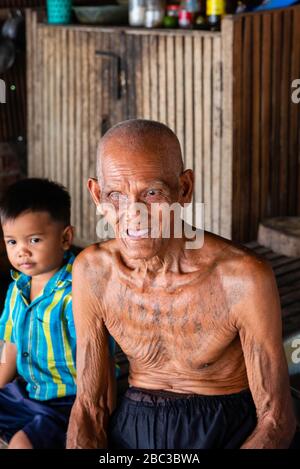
(247, 280)
(233, 260)
(97, 256)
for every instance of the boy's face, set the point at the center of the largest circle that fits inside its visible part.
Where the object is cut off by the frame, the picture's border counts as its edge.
(35, 243)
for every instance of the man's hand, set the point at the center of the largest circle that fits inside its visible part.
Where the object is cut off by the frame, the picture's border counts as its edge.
(8, 355)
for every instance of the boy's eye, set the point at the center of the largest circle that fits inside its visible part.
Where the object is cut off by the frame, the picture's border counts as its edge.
(11, 242)
(34, 240)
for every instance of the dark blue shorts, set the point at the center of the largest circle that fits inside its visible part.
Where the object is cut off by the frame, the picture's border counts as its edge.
(44, 422)
(162, 420)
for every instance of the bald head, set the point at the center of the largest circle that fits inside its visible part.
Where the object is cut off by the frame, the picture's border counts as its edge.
(143, 137)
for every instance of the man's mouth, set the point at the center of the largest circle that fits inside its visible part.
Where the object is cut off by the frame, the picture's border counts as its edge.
(137, 234)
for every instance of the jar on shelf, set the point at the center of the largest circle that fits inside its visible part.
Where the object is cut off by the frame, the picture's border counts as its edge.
(154, 13)
(171, 17)
(137, 10)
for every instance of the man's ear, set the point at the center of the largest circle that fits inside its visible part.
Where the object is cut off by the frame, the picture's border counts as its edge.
(67, 237)
(94, 189)
(186, 186)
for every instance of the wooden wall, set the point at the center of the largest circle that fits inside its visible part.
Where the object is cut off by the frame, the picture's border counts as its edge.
(266, 155)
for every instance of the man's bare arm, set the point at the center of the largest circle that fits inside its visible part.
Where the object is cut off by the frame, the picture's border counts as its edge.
(8, 354)
(95, 370)
(258, 319)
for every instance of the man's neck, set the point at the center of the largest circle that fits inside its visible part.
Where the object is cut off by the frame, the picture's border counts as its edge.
(167, 260)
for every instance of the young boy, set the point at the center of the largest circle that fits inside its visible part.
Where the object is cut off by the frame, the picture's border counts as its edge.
(37, 323)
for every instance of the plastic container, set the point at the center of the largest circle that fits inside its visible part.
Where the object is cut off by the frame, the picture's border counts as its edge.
(59, 11)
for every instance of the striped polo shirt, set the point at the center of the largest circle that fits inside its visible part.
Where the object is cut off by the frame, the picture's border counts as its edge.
(44, 333)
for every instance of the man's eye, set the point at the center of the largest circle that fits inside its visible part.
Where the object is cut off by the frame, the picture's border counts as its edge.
(117, 196)
(153, 192)
(35, 240)
(11, 242)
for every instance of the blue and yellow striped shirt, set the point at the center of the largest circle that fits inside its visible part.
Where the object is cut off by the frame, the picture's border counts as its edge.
(44, 333)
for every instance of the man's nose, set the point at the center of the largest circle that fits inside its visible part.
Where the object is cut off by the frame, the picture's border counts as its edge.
(135, 208)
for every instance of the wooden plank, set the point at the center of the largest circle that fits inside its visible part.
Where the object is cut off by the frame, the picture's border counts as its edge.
(290, 298)
(256, 126)
(93, 135)
(198, 110)
(86, 51)
(265, 115)
(30, 29)
(275, 115)
(146, 79)
(272, 256)
(246, 110)
(162, 77)
(287, 278)
(63, 151)
(289, 288)
(189, 103)
(179, 90)
(170, 56)
(291, 266)
(130, 65)
(139, 76)
(285, 100)
(72, 59)
(154, 85)
(57, 105)
(41, 120)
(77, 194)
(252, 245)
(216, 134)
(50, 91)
(281, 261)
(230, 105)
(207, 176)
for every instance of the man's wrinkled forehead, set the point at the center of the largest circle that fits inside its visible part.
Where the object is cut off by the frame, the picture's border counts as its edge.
(123, 156)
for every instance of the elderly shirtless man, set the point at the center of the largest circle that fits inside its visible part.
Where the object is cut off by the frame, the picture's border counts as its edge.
(201, 327)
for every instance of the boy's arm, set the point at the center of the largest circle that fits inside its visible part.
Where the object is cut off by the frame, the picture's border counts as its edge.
(8, 350)
(8, 369)
(95, 370)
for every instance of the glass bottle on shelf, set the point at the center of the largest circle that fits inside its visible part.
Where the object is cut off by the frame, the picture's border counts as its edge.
(186, 16)
(215, 9)
(171, 16)
(137, 12)
(154, 13)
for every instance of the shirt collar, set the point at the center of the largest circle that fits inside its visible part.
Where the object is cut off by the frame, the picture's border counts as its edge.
(61, 279)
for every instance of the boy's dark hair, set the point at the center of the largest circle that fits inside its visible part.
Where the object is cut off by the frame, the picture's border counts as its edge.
(36, 195)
